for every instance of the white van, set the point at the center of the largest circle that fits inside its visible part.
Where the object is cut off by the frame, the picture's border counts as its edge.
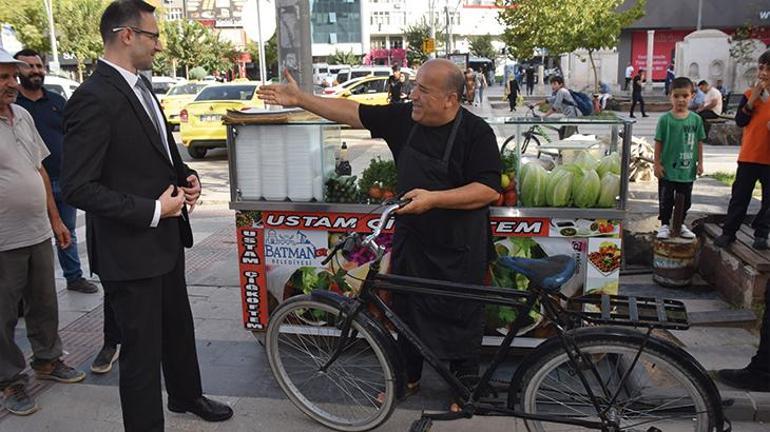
(60, 85)
(320, 71)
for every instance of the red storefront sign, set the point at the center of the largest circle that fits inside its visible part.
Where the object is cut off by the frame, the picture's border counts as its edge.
(662, 50)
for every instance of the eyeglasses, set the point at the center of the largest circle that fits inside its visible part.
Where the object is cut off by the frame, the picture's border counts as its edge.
(152, 35)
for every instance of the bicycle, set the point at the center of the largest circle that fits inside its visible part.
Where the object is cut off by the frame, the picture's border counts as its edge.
(536, 133)
(342, 368)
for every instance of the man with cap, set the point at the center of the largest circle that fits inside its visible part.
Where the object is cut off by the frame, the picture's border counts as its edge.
(28, 217)
(47, 109)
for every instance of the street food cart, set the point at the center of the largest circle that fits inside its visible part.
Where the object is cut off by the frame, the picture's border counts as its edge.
(295, 193)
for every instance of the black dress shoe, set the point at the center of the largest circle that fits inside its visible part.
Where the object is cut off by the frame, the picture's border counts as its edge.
(723, 241)
(207, 409)
(745, 379)
(760, 243)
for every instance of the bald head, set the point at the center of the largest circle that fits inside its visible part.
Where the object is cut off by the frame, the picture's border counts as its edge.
(450, 75)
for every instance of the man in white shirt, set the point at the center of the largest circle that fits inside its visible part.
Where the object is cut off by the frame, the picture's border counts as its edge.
(712, 104)
(629, 75)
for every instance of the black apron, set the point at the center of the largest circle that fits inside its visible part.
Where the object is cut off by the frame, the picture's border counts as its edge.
(442, 244)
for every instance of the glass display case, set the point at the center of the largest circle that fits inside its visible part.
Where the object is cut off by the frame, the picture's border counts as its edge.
(565, 189)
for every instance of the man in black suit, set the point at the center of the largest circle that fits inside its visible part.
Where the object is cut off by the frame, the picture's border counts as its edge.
(121, 165)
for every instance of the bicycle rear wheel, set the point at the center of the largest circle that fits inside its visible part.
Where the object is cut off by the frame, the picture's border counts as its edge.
(661, 392)
(356, 392)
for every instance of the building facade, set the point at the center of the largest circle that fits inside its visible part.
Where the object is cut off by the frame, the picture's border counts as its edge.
(667, 22)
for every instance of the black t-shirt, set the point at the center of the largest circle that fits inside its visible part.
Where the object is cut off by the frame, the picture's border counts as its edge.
(637, 90)
(394, 89)
(475, 156)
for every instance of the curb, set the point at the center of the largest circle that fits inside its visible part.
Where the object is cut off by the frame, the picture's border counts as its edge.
(746, 406)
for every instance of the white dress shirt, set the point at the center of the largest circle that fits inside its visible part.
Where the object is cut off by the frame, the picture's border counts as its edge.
(132, 79)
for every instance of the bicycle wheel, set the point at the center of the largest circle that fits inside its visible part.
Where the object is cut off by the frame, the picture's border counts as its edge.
(356, 392)
(661, 393)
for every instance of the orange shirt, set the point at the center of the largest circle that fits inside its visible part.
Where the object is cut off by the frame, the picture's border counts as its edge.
(755, 145)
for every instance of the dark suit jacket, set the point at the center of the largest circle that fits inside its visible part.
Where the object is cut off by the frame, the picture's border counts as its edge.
(115, 166)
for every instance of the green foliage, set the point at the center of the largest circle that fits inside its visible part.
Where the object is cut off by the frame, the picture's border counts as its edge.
(197, 73)
(77, 26)
(29, 20)
(344, 58)
(77, 29)
(415, 35)
(271, 54)
(481, 46)
(562, 27)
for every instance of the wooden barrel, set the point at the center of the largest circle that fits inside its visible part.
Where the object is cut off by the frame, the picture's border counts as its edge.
(674, 261)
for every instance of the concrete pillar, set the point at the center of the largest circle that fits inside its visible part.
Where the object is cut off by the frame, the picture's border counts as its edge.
(387, 41)
(648, 68)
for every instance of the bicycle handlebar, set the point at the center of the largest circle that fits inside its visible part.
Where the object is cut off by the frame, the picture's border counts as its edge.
(353, 240)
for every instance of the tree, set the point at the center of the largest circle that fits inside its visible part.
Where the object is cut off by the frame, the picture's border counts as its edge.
(415, 35)
(77, 30)
(30, 22)
(481, 46)
(344, 58)
(562, 27)
(271, 55)
(185, 41)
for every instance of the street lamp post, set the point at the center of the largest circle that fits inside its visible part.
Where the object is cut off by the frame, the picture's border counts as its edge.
(53, 65)
(700, 12)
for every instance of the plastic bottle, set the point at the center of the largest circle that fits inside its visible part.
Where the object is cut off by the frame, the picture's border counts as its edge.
(343, 166)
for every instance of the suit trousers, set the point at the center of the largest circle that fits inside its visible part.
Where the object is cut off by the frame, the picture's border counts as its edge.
(156, 330)
(27, 273)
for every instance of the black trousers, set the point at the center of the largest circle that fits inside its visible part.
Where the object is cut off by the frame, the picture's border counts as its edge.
(761, 361)
(111, 329)
(625, 86)
(530, 88)
(465, 367)
(156, 329)
(667, 192)
(512, 100)
(746, 178)
(707, 115)
(637, 98)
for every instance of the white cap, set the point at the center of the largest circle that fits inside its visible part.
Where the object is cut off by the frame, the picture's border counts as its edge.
(6, 58)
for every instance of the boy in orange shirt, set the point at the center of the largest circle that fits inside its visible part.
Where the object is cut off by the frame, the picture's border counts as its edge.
(753, 116)
(753, 164)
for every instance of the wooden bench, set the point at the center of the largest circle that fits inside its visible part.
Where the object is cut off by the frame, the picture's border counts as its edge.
(738, 271)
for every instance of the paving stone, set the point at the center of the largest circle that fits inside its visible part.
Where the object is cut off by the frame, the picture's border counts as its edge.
(762, 402)
(742, 407)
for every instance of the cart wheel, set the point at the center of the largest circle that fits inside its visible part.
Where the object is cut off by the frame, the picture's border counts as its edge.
(260, 337)
(197, 152)
(424, 424)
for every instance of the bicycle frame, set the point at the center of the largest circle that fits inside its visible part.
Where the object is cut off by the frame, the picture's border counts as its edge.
(523, 301)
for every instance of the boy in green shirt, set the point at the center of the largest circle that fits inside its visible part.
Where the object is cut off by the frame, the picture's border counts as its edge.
(678, 154)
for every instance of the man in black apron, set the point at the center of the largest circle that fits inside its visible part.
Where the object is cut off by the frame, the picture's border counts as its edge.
(449, 166)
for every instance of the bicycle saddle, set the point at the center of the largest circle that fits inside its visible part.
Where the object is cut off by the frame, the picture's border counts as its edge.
(549, 273)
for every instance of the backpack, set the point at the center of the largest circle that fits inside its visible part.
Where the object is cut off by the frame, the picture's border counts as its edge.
(582, 102)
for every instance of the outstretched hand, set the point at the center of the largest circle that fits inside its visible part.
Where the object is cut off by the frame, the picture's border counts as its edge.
(288, 94)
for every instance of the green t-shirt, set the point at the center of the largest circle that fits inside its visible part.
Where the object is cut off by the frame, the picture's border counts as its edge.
(680, 138)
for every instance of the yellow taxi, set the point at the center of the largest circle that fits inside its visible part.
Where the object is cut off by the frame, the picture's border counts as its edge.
(370, 90)
(201, 120)
(178, 97)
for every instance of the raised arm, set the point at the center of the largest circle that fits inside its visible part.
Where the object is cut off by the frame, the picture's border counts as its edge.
(290, 95)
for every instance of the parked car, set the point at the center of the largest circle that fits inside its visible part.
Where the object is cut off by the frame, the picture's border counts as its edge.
(362, 71)
(320, 71)
(366, 90)
(178, 97)
(60, 85)
(201, 120)
(161, 85)
(331, 78)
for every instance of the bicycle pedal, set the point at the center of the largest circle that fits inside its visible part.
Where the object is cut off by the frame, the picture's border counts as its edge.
(422, 425)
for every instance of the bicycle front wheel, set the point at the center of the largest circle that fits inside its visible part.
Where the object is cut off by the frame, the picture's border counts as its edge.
(660, 392)
(356, 392)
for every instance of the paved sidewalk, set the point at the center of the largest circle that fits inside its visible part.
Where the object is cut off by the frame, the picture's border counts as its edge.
(233, 363)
